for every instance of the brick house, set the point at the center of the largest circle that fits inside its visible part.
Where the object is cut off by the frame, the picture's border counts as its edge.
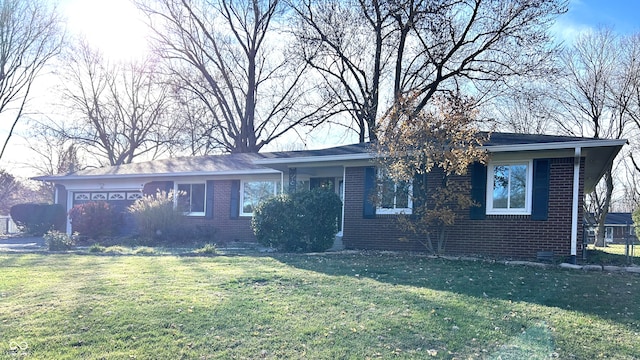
(618, 229)
(530, 192)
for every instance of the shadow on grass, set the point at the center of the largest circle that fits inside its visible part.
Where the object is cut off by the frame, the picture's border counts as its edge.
(602, 257)
(607, 295)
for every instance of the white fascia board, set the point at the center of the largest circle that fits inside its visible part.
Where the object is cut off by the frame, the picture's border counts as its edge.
(314, 159)
(493, 148)
(156, 175)
(555, 145)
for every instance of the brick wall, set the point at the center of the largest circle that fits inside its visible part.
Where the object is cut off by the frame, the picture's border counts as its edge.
(497, 235)
(227, 229)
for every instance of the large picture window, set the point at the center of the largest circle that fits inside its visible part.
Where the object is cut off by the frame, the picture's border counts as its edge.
(394, 197)
(509, 188)
(191, 199)
(253, 192)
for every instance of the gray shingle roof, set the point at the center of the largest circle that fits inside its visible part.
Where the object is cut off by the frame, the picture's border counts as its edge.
(251, 163)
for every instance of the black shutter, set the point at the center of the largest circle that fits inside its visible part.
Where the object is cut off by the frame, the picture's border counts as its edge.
(368, 206)
(168, 187)
(209, 199)
(540, 195)
(478, 191)
(419, 191)
(235, 199)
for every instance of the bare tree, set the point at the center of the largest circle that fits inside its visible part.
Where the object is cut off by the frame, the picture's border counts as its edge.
(121, 109)
(56, 154)
(30, 36)
(595, 96)
(230, 56)
(416, 47)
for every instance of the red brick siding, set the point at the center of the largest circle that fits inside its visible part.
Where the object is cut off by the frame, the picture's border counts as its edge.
(227, 229)
(497, 235)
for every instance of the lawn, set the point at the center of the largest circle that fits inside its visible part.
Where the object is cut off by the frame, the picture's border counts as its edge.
(284, 306)
(613, 254)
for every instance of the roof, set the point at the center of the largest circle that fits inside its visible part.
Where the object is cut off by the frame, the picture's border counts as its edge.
(618, 219)
(597, 152)
(187, 165)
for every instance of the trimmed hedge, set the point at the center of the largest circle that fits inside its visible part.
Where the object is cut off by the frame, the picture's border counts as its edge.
(37, 219)
(305, 221)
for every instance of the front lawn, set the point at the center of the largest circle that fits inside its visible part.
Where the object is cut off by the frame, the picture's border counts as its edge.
(334, 306)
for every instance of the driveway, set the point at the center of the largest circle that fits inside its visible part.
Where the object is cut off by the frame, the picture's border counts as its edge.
(21, 243)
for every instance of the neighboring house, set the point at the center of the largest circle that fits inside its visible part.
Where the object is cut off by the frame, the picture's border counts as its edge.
(530, 192)
(618, 229)
(7, 226)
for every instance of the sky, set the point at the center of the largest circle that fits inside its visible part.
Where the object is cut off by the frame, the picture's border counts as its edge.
(115, 27)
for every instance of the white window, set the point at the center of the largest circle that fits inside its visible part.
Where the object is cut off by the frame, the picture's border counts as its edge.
(255, 191)
(191, 198)
(393, 197)
(509, 188)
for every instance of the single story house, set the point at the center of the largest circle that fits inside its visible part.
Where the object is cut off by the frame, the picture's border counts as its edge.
(618, 229)
(530, 192)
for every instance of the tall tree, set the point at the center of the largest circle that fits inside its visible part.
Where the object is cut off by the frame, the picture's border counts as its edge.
(120, 109)
(595, 98)
(361, 47)
(230, 56)
(30, 36)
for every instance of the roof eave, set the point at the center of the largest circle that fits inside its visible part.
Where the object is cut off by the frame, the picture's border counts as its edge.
(158, 175)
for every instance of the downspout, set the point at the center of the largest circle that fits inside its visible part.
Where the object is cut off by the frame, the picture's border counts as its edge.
(69, 204)
(574, 207)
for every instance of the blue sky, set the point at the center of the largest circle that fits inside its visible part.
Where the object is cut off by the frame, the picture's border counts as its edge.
(622, 15)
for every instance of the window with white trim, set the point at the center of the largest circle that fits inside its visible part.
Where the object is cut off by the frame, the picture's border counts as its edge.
(509, 187)
(255, 191)
(393, 197)
(191, 198)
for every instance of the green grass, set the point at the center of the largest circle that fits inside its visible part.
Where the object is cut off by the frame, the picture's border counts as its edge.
(282, 306)
(613, 254)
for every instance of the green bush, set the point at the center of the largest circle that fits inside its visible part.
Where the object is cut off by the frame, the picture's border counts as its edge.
(207, 249)
(94, 220)
(37, 219)
(97, 248)
(58, 241)
(300, 222)
(157, 221)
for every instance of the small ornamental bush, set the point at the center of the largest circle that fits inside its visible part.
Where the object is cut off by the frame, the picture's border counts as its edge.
(94, 220)
(207, 249)
(58, 241)
(301, 222)
(37, 219)
(96, 248)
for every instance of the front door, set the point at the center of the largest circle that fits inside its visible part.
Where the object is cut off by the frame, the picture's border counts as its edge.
(608, 234)
(327, 183)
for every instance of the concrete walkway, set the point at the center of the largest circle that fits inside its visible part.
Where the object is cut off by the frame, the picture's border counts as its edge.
(21, 243)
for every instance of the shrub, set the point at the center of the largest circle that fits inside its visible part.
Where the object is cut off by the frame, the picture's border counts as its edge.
(207, 249)
(303, 221)
(58, 241)
(97, 248)
(37, 219)
(94, 219)
(157, 220)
